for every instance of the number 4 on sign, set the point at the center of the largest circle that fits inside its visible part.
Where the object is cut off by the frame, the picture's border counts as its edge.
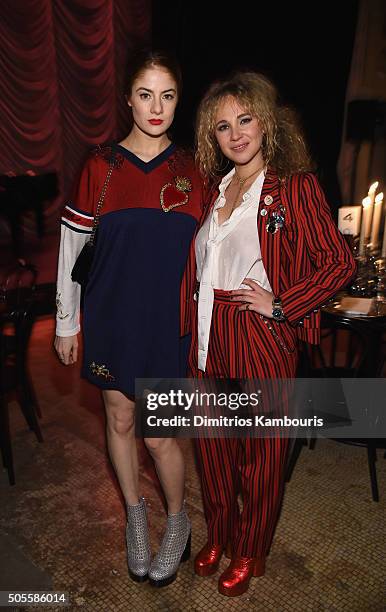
(349, 219)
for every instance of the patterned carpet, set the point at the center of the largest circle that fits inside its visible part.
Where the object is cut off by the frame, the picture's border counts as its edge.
(66, 517)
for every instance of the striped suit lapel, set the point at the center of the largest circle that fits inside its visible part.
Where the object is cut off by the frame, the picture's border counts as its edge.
(270, 243)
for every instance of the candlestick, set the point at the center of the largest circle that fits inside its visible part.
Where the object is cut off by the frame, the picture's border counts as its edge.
(366, 218)
(383, 253)
(371, 194)
(376, 220)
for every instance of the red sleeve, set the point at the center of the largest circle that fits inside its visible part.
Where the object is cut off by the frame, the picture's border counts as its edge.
(332, 262)
(86, 188)
(78, 213)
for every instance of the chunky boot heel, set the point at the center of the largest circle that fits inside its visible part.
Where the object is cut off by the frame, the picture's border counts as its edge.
(186, 553)
(175, 547)
(137, 542)
(208, 559)
(235, 580)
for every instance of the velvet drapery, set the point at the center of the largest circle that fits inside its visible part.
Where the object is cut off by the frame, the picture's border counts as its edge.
(62, 73)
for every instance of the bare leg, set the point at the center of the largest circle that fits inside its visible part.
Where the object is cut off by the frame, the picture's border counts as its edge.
(170, 466)
(121, 443)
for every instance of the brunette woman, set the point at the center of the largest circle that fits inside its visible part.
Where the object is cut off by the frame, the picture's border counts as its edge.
(149, 196)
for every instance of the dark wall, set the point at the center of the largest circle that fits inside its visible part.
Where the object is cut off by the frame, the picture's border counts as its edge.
(304, 47)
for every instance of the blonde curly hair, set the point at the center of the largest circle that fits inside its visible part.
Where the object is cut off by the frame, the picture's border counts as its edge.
(283, 145)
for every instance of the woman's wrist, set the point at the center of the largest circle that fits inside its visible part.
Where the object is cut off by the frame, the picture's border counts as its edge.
(277, 309)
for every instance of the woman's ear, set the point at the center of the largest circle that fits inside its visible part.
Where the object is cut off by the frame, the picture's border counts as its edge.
(127, 100)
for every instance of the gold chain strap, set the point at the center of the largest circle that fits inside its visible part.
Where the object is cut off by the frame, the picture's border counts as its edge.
(100, 201)
(275, 334)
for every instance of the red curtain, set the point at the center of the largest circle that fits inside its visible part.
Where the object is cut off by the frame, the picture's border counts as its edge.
(62, 72)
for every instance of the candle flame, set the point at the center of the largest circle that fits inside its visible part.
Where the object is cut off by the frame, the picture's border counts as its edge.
(379, 198)
(366, 202)
(373, 188)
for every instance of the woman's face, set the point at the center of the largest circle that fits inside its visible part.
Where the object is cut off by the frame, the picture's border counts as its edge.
(153, 100)
(238, 133)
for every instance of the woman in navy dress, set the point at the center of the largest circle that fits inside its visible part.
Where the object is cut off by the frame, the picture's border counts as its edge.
(151, 205)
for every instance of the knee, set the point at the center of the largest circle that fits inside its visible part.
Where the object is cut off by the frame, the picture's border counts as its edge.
(158, 446)
(120, 420)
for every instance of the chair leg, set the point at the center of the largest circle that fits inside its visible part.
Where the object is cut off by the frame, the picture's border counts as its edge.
(312, 441)
(30, 415)
(294, 456)
(372, 457)
(5, 441)
(29, 390)
(27, 402)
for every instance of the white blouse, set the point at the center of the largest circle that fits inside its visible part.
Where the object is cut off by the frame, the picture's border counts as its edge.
(226, 254)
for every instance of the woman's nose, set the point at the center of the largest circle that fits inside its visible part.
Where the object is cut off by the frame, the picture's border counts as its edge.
(235, 133)
(156, 107)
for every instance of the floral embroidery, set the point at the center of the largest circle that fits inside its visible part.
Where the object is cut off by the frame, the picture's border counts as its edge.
(110, 156)
(180, 161)
(101, 370)
(59, 307)
(182, 184)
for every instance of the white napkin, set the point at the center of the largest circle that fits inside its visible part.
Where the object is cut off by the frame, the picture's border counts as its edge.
(356, 305)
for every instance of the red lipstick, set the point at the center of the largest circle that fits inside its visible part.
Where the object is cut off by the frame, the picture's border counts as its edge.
(156, 121)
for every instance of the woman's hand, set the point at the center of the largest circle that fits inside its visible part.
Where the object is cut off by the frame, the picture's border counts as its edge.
(256, 298)
(67, 349)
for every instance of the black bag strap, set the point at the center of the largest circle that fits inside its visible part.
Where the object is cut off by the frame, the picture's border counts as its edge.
(102, 198)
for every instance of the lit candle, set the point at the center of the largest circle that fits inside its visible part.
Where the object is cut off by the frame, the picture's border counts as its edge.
(372, 189)
(383, 253)
(376, 220)
(371, 194)
(365, 224)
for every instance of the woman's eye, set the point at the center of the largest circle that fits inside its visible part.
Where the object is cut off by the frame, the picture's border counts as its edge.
(222, 127)
(144, 96)
(168, 97)
(245, 120)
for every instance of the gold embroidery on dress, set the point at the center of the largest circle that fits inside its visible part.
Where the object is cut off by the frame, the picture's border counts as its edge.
(101, 370)
(59, 307)
(183, 184)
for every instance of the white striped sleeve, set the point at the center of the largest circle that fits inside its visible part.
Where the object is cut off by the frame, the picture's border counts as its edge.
(72, 240)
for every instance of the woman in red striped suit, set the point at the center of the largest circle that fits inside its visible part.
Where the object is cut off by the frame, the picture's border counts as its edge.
(267, 256)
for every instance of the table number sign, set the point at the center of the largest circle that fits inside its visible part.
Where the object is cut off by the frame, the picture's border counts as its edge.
(349, 220)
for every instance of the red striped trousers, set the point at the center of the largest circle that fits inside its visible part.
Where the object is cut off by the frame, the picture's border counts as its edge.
(242, 346)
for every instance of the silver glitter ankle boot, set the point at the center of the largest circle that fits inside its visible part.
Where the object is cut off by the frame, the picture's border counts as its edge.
(137, 541)
(175, 547)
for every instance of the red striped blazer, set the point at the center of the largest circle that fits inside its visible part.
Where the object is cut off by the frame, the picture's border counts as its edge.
(307, 261)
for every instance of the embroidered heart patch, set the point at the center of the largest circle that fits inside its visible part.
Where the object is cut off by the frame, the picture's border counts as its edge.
(175, 194)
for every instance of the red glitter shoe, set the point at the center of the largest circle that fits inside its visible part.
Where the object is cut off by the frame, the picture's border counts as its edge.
(208, 559)
(235, 580)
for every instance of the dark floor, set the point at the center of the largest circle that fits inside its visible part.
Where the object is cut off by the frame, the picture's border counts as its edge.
(62, 525)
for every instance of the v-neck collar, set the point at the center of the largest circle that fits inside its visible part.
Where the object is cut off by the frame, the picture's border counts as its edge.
(142, 165)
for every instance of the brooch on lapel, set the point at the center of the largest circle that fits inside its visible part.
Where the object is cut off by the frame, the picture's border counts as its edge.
(275, 219)
(172, 192)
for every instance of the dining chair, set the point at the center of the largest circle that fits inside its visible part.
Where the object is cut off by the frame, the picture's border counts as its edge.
(17, 284)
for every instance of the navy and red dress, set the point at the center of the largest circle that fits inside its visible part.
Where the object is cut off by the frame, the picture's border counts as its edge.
(131, 304)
